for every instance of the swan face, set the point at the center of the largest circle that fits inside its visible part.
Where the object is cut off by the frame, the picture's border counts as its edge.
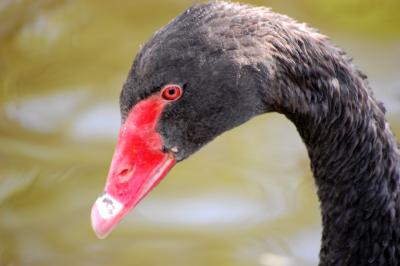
(184, 89)
(221, 88)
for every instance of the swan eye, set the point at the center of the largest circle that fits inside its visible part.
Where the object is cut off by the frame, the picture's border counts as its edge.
(171, 92)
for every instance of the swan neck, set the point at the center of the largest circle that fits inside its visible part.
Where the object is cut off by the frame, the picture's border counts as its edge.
(356, 165)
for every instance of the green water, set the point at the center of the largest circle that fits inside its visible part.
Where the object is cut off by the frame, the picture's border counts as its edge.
(246, 199)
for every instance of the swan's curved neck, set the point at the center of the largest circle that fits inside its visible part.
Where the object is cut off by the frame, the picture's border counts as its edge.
(356, 168)
(354, 159)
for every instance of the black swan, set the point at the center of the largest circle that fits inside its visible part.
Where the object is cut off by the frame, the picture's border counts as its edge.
(219, 64)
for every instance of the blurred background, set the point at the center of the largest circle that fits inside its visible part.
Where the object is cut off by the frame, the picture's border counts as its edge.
(248, 198)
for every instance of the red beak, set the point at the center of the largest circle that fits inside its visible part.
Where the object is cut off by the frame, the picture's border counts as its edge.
(137, 166)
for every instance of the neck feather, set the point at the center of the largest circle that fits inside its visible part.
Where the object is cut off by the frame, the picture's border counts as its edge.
(354, 156)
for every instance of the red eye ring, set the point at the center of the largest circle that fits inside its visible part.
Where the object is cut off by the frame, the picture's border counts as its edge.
(171, 92)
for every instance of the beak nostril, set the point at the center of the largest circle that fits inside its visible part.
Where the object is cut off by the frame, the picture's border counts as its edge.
(125, 174)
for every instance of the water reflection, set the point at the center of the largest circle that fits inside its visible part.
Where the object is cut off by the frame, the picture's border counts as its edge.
(45, 113)
(222, 210)
(99, 121)
(269, 259)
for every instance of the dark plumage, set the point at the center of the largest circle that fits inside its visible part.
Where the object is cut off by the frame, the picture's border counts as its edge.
(237, 61)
